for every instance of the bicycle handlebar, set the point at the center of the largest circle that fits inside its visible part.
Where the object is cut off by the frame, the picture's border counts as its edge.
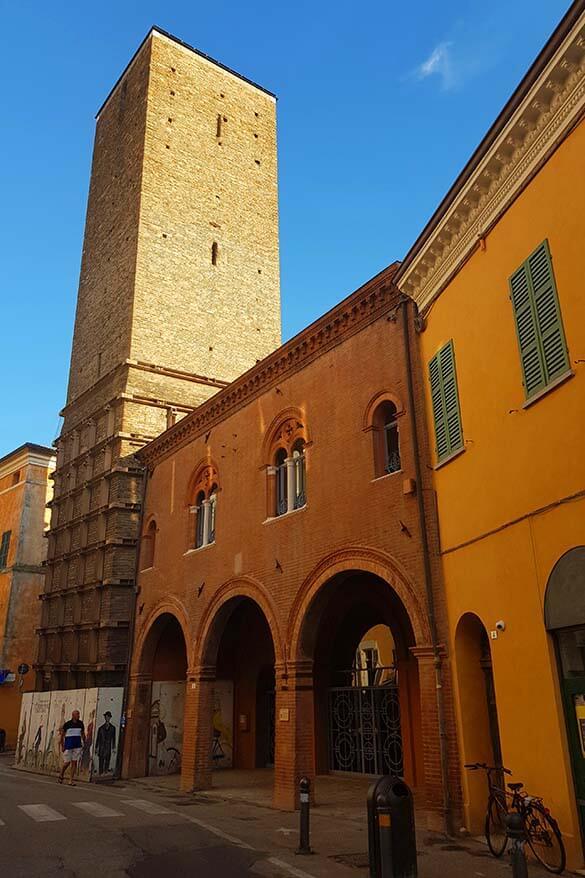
(475, 765)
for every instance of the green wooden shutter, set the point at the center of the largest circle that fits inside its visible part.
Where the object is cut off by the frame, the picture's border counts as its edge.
(543, 349)
(445, 400)
(548, 314)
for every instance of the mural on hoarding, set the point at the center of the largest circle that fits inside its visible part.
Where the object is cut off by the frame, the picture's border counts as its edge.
(42, 716)
(107, 731)
(23, 728)
(63, 703)
(88, 718)
(37, 736)
(166, 727)
(223, 724)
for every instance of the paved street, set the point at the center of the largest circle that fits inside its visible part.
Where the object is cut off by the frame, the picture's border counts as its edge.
(139, 830)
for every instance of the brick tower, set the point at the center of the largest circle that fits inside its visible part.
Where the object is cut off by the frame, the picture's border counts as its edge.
(178, 294)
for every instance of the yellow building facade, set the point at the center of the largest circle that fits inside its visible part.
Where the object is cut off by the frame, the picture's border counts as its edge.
(498, 276)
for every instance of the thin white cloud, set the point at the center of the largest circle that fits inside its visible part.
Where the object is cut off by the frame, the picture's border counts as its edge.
(439, 63)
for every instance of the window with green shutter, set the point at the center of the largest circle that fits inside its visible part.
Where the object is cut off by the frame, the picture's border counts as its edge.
(445, 399)
(543, 349)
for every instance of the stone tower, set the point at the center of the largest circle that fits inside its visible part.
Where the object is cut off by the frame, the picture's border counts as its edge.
(178, 294)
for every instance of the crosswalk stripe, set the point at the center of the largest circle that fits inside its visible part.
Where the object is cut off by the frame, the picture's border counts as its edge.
(41, 813)
(96, 809)
(2, 823)
(146, 806)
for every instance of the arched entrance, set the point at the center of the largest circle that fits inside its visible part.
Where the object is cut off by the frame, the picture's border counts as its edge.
(231, 689)
(367, 717)
(243, 712)
(479, 715)
(158, 700)
(564, 616)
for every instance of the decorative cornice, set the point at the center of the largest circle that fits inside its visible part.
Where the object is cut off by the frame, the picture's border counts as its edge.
(363, 307)
(525, 135)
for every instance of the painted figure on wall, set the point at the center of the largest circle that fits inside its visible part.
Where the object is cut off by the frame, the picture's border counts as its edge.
(105, 744)
(88, 743)
(21, 738)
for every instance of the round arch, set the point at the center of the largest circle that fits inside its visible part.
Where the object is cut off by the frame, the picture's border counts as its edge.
(221, 607)
(564, 599)
(356, 558)
(295, 420)
(382, 396)
(146, 640)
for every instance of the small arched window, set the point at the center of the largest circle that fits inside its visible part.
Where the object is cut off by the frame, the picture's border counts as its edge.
(281, 482)
(148, 546)
(204, 488)
(200, 520)
(298, 463)
(386, 439)
(211, 517)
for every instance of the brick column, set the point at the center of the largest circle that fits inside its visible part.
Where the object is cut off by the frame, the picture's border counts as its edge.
(431, 749)
(294, 732)
(198, 729)
(134, 760)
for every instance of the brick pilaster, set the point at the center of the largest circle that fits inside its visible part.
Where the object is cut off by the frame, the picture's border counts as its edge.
(198, 729)
(295, 737)
(137, 726)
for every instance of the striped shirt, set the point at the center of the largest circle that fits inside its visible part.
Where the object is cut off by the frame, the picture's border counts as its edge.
(72, 732)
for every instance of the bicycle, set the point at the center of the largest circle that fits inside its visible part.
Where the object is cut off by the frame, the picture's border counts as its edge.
(541, 830)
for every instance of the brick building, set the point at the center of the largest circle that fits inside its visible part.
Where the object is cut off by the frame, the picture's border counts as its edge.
(178, 295)
(287, 521)
(25, 489)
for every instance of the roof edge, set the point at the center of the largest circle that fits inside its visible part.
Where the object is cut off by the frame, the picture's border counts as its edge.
(159, 30)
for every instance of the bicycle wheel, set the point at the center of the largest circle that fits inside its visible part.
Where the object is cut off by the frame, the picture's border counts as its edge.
(544, 837)
(495, 826)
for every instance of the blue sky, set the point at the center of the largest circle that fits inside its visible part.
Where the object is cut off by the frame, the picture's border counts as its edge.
(380, 104)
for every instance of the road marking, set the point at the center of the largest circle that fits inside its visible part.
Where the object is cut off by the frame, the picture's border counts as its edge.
(146, 806)
(298, 873)
(96, 809)
(41, 813)
(2, 823)
(224, 835)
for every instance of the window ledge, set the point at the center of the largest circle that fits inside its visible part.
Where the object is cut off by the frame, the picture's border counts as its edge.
(398, 472)
(451, 457)
(560, 380)
(143, 569)
(198, 549)
(284, 515)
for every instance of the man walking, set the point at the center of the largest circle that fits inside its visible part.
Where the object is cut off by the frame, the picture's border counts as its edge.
(72, 736)
(105, 743)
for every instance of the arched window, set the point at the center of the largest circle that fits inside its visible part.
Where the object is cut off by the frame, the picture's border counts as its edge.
(204, 488)
(211, 517)
(200, 520)
(148, 546)
(285, 449)
(281, 482)
(298, 462)
(386, 439)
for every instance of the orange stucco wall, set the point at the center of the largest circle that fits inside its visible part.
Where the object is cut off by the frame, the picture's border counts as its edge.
(517, 460)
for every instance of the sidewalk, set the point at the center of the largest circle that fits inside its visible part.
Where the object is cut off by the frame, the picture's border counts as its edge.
(338, 829)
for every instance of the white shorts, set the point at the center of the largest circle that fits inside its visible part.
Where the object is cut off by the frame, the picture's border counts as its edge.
(72, 755)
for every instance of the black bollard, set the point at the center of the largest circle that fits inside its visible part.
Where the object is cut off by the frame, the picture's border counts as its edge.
(304, 798)
(517, 836)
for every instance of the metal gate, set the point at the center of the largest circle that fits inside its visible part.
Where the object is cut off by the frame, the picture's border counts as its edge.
(364, 729)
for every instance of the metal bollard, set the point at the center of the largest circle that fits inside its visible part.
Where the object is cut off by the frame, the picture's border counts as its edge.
(515, 833)
(304, 798)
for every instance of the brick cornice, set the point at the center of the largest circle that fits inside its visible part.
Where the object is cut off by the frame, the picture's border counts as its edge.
(546, 107)
(363, 307)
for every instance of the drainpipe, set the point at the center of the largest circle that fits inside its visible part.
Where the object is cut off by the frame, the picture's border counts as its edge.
(132, 628)
(427, 573)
